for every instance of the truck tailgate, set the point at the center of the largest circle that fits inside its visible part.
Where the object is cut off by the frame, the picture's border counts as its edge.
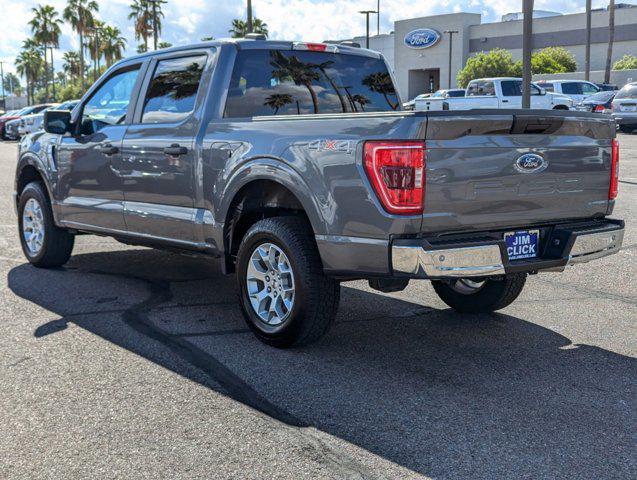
(490, 170)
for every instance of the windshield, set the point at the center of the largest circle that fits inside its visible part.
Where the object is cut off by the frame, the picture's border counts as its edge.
(283, 82)
(629, 91)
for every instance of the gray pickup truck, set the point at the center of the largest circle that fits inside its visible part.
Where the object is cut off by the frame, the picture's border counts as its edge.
(293, 164)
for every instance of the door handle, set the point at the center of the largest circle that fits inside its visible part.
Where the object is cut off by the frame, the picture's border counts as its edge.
(505, 101)
(175, 150)
(108, 149)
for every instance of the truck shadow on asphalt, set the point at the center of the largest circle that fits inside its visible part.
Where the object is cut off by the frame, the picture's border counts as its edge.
(445, 395)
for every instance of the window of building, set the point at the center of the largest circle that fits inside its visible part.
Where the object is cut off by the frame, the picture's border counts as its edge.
(173, 89)
(281, 82)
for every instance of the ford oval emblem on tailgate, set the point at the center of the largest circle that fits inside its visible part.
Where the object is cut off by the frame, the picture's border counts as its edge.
(530, 163)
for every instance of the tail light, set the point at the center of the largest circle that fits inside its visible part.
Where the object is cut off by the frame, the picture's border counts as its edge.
(396, 171)
(599, 108)
(614, 171)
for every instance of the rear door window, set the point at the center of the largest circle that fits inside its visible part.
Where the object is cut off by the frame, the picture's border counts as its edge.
(173, 89)
(572, 88)
(481, 89)
(282, 82)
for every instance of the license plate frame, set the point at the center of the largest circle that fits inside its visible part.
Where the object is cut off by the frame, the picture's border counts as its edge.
(522, 244)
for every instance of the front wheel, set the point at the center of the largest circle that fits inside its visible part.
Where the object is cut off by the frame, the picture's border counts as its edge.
(43, 243)
(480, 295)
(285, 297)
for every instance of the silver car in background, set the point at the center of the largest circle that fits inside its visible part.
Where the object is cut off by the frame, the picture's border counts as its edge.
(32, 123)
(624, 108)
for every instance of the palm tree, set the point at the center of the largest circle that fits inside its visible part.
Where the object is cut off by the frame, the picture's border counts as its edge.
(611, 39)
(112, 45)
(380, 82)
(299, 72)
(80, 14)
(46, 30)
(155, 17)
(29, 65)
(323, 68)
(164, 45)
(141, 48)
(240, 28)
(141, 14)
(71, 65)
(362, 100)
(95, 46)
(278, 100)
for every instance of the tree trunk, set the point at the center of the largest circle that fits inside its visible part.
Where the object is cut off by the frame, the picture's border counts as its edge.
(82, 60)
(46, 77)
(314, 97)
(611, 40)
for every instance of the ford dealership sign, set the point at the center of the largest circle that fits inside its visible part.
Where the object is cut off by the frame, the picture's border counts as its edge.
(422, 38)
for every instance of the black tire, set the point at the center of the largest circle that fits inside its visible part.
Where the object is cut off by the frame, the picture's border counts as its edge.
(626, 128)
(492, 295)
(57, 243)
(316, 296)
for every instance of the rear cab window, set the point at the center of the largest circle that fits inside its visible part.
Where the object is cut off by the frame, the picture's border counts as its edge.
(293, 82)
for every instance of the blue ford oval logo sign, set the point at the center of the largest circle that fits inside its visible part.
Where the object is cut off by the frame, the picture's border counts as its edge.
(530, 163)
(422, 38)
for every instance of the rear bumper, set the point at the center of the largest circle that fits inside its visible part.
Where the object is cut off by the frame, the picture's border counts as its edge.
(562, 245)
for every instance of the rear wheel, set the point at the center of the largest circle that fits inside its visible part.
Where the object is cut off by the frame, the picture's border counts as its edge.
(285, 297)
(44, 244)
(626, 128)
(480, 295)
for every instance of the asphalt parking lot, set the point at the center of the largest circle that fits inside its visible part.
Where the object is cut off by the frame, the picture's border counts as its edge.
(134, 363)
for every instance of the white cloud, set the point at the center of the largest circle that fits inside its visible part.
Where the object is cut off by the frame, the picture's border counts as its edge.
(188, 21)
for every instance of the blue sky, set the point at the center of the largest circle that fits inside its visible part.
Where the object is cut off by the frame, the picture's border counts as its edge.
(313, 20)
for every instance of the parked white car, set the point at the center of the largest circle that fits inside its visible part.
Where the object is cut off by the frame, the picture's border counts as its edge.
(624, 108)
(578, 90)
(421, 102)
(502, 92)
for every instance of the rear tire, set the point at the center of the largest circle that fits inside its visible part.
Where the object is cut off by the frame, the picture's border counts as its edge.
(626, 128)
(43, 243)
(285, 297)
(467, 296)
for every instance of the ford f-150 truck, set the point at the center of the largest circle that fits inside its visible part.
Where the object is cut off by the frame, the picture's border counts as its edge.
(505, 93)
(292, 163)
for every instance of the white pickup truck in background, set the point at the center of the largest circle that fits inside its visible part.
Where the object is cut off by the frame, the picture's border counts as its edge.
(496, 93)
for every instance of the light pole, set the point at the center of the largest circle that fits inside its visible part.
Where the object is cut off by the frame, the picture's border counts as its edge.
(4, 97)
(250, 24)
(527, 48)
(450, 32)
(367, 13)
(378, 17)
(587, 68)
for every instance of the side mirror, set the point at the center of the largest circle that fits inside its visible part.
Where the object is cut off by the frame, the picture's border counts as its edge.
(542, 91)
(57, 121)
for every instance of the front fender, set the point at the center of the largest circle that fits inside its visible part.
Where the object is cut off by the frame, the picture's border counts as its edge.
(34, 153)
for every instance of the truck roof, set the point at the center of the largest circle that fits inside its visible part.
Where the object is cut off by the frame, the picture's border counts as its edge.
(246, 43)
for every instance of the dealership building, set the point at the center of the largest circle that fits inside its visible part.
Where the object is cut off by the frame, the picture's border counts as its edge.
(418, 49)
